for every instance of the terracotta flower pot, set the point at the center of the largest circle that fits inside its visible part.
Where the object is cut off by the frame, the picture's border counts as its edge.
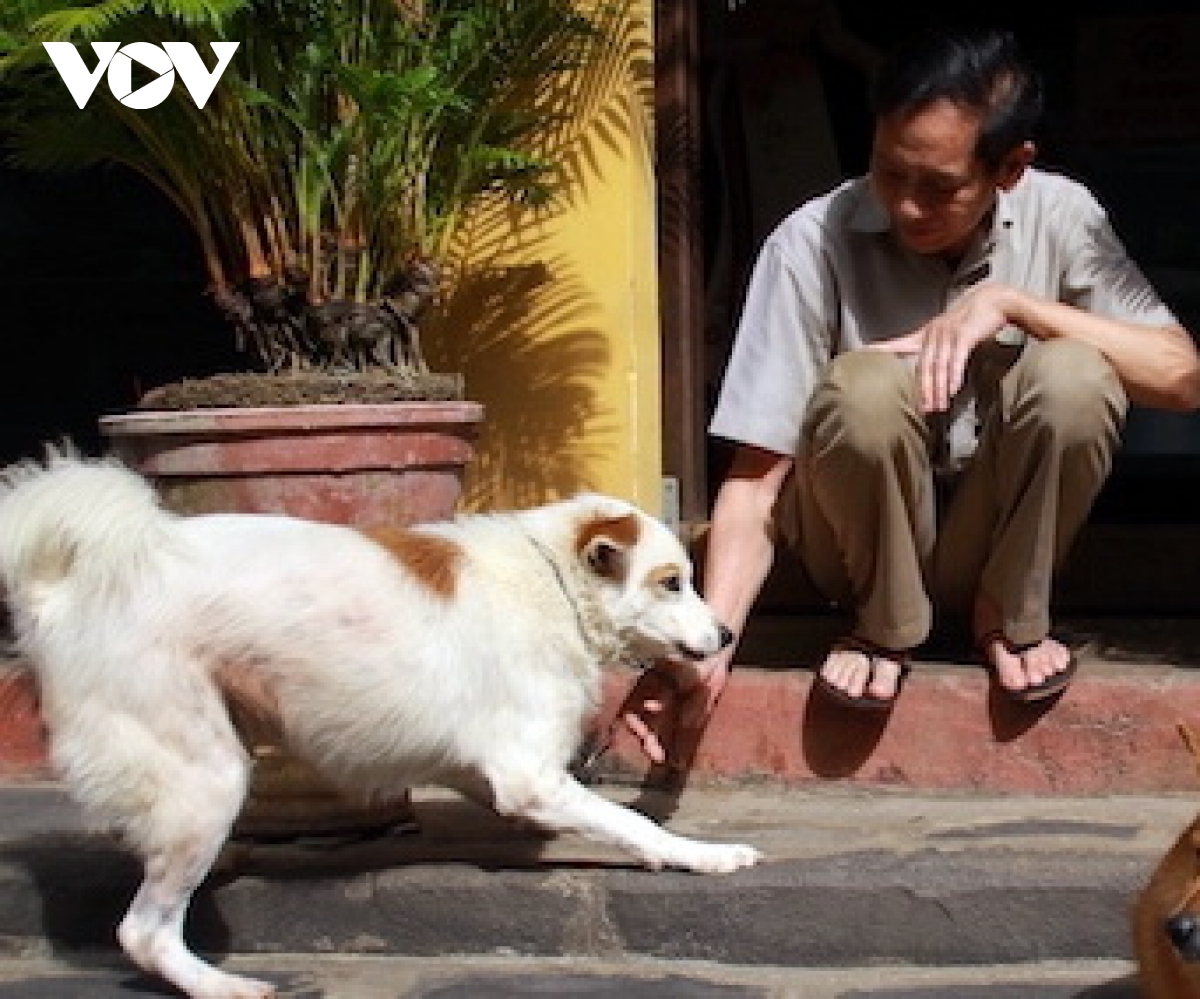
(366, 465)
(361, 464)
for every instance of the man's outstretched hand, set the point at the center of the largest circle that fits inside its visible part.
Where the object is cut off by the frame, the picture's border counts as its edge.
(667, 716)
(943, 346)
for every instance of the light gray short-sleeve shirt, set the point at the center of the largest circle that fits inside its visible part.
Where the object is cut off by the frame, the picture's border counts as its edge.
(831, 278)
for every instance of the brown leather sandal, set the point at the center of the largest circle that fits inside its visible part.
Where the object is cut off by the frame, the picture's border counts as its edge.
(865, 702)
(1052, 686)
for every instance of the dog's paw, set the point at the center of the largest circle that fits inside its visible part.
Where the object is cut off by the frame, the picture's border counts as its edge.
(721, 858)
(236, 987)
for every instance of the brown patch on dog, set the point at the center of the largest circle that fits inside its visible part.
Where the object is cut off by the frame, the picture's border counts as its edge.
(659, 573)
(252, 701)
(623, 531)
(604, 540)
(431, 560)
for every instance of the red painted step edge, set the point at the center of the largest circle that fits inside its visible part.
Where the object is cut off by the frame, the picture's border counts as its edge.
(22, 735)
(1114, 731)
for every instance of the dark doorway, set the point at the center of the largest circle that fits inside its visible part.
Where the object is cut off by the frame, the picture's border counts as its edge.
(765, 101)
(105, 292)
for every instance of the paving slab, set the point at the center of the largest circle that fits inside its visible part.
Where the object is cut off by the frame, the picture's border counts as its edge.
(496, 977)
(849, 879)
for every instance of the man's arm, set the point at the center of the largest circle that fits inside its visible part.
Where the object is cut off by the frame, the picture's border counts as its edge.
(739, 557)
(741, 545)
(1157, 365)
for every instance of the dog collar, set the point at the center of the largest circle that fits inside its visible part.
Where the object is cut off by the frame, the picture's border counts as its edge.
(595, 646)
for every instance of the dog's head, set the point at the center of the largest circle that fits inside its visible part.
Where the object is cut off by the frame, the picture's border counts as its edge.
(1182, 924)
(642, 576)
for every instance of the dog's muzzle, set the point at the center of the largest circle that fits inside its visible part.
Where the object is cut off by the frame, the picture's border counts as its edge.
(724, 639)
(1184, 932)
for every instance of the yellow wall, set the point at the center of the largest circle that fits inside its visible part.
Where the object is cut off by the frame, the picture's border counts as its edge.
(555, 322)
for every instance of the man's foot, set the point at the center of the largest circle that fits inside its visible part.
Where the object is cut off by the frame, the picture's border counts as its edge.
(860, 674)
(1031, 672)
(1028, 673)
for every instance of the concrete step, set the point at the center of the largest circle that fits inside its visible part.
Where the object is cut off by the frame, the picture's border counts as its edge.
(1114, 731)
(851, 879)
(986, 850)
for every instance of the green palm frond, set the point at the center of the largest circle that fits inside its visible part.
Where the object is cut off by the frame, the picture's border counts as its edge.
(57, 143)
(47, 20)
(345, 139)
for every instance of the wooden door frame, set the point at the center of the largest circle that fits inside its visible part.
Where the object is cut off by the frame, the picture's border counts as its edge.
(678, 171)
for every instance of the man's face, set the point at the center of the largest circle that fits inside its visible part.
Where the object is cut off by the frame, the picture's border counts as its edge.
(925, 173)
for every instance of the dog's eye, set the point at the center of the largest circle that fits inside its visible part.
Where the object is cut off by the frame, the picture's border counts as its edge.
(672, 584)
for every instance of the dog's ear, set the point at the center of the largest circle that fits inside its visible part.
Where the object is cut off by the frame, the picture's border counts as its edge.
(605, 558)
(604, 545)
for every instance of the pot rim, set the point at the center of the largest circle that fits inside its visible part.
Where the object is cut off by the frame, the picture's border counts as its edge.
(313, 416)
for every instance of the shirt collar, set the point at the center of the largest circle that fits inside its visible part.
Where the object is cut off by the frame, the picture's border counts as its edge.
(868, 215)
(1004, 224)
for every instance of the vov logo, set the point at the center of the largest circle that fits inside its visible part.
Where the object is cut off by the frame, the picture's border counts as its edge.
(119, 60)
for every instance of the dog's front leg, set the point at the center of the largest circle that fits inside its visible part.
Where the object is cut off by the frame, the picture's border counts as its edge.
(559, 803)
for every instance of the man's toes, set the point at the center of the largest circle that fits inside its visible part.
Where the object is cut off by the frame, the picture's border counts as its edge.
(1045, 660)
(885, 678)
(848, 671)
(1011, 669)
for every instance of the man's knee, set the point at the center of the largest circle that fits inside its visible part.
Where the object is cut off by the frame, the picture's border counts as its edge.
(865, 401)
(1071, 388)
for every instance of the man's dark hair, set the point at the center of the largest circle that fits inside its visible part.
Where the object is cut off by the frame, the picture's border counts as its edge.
(980, 69)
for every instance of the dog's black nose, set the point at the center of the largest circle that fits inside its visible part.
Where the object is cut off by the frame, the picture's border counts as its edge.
(1182, 930)
(725, 636)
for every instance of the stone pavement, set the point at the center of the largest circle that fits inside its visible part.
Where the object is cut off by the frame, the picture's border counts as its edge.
(959, 848)
(371, 977)
(863, 893)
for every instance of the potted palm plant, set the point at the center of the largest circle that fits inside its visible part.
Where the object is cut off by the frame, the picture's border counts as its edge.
(324, 178)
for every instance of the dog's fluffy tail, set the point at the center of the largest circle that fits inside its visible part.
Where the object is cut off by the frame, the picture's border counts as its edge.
(69, 518)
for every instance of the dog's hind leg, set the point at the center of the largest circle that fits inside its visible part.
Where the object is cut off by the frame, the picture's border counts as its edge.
(188, 824)
(559, 803)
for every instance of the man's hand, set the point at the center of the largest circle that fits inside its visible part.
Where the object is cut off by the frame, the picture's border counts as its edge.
(667, 715)
(944, 344)
(668, 708)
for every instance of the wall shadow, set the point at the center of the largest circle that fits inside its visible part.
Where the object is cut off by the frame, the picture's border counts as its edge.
(527, 339)
(523, 322)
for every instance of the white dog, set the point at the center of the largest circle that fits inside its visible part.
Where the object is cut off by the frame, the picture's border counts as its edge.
(466, 654)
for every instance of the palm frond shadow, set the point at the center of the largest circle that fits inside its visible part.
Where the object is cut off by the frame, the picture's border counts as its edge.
(545, 425)
(521, 323)
(602, 106)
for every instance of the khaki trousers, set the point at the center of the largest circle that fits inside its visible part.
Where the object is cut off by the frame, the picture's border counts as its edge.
(879, 535)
